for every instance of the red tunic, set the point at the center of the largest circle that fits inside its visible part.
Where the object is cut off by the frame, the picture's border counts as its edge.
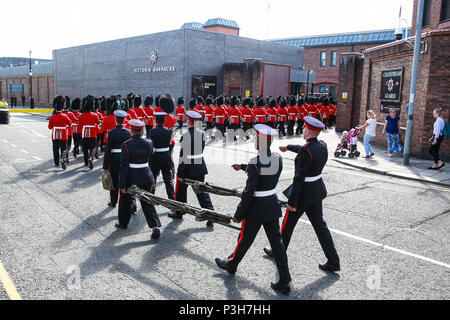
(148, 119)
(221, 114)
(170, 122)
(311, 110)
(76, 128)
(235, 115)
(59, 123)
(140, 113)
(260, 115)
(209, 114)
(73, 119)
(248, 115)
(283, 113)
(180, 111)
(292, 113)
(200, 109)
(272, 115)
(108, 124)
(89, 124)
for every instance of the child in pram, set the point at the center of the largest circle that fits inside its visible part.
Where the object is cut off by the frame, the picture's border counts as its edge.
(349, 142)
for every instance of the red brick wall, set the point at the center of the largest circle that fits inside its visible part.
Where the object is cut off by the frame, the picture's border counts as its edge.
(224, 30)
(435, 17)
(328, 75)
(432, 87)
(42, 88)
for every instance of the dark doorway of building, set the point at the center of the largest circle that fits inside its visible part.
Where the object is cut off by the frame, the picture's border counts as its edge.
(204, 86)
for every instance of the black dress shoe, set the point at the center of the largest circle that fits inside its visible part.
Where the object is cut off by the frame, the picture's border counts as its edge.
(174, 215)
(329, 267)
(156, 234)
(63, 165)
(222, 264)
(209, 224)
(133, 209)
(111, 205)
(91, 165)
(268, 252)
(119, 226)
(281, 287)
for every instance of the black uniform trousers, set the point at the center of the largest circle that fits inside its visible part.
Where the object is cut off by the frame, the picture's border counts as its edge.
(299, 129)
(315, 216)
(290, 130)
(76, 143)
(272, 124)
(282, 128)
(168, 176)
(125, 203)
(59, 150)
(180, 124)
(249, 231)
(181, 194)
(114, 171)
(221, 128)
(434, 149)
(89, 145)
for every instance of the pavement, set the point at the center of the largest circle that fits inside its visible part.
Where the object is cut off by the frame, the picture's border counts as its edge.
(58, 241)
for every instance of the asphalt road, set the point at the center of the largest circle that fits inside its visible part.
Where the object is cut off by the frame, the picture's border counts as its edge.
(58, 241)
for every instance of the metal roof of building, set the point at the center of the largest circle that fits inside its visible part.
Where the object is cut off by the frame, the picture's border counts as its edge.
(192, 25)
(342, 39)
(222, 23)
(23, 70)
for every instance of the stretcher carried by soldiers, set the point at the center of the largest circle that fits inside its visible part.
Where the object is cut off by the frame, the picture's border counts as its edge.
(202, 187)
(200, 214)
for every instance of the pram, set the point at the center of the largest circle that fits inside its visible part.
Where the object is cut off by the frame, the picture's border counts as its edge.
(350, 144)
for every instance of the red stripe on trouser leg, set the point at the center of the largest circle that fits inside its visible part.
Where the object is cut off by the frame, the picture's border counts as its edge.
(239, 240)
(285, 220)
(176, 189)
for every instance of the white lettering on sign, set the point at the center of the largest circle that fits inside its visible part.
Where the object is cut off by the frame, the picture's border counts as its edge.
(155, 69)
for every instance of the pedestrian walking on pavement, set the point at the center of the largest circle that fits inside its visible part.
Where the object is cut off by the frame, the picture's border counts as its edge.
(436, 139)
(371, 132)
(392, 131)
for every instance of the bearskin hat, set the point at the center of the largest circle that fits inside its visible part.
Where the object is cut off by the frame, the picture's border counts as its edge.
(220, 100)
(67, 102)
(233, 101)
(166, 103)
(260, 102)
(292, 101)
(272, 103)
(88, 103)
(137, 101)
(148, 101)
(200, 100)
(59, 102)
(209, 101)
(180, 101)
(76, 104)
(192, 103)
(283, 103)
(157, 100)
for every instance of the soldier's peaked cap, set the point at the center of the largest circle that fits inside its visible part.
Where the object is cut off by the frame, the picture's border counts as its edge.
(120, 114)
(264, 131)
(136, 124)
(313, 124)
(193, 115)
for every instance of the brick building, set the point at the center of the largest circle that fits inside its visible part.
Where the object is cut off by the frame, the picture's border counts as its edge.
(363, 80)
(322, 53)
(15, 82)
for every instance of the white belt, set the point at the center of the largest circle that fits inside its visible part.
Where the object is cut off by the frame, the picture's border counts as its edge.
(262, 194)
(198, 156)
(312, 179)
(220, 116)
(247, 116)
(234, 116)
(138, 166)
(162, 149)
(116, 150)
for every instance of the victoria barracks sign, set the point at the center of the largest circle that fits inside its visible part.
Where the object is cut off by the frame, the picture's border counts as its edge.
(153, 60)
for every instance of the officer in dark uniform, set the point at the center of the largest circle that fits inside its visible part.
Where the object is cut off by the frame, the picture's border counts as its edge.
(192, 164)
(134, 170)
(113, 152)
(307, 192)
(260, 207)
(162, 158)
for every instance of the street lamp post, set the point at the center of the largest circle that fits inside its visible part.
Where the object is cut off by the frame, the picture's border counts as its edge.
(31, 85)
(412, 95)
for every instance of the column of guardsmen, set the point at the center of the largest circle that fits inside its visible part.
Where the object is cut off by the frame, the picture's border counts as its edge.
(115, 125)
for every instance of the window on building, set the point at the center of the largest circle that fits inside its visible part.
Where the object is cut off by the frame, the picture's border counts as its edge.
(322, 89)
(333, 90)
(426, 14)
(333, 59)
(445, 13)
(323, 59)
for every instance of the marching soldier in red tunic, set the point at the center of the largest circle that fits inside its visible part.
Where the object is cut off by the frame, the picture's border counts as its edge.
(59, 123)
(301, 114)
(283, 113)
(88, 122)
(292, 116)
(248, 116)
(221, 115)
(148, 119)
(259, 111)
(272, 114)
(76, 105)
(181, 112)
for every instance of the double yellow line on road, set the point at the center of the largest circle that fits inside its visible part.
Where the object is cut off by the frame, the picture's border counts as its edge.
(8, 284)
